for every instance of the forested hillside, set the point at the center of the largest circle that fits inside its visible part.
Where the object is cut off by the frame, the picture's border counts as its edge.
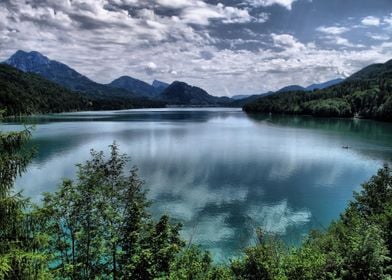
(367, 94)
(27, 93)
(180, 93)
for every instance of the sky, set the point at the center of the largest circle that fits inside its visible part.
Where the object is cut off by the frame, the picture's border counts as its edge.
(227, 47)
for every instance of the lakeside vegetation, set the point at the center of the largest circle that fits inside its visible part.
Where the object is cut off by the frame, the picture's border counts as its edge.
(367, 94)
(99, 227)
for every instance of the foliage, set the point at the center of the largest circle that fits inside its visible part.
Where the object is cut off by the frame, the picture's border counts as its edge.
(27, 93)
(194, 263)
(19, 250)
(366, 94)
(98, 227)
(263, 261)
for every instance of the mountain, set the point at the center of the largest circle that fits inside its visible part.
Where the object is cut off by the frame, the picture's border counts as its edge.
(291, 88)
(134, 85)
(124, 92)
(28, 93)
(240, 96)
(63, 75)
(159, 86)
(241, 100)
(365, 94)
(24, 93)
(325, 84)
(374, 71)
(180, 93)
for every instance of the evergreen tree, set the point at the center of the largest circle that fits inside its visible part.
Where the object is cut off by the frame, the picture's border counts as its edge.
(19, 257)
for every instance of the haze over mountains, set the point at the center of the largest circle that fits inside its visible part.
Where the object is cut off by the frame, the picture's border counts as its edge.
(295, 88)
(241, 100)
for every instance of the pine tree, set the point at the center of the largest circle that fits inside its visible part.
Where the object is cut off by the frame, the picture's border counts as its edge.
(19, 257)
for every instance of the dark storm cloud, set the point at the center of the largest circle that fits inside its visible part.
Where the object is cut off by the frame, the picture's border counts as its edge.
(224, 46)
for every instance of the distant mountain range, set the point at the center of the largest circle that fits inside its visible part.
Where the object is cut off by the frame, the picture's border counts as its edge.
(324, 85)
(136, 86)
(312, 86)
(123, 88)
(129, 92)
(291, 88)
(25, 93)
(159, 86)
(241, 100)
(365, 94)
(63, 75)
(180, 93)
(294, 88)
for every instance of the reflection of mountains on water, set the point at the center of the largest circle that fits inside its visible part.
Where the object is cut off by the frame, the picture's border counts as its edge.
(353, 132)
(157, 115)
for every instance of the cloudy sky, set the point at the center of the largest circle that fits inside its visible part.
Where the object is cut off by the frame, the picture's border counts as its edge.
(226, 47)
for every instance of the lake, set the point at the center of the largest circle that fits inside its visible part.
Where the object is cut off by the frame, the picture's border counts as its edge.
(220, 172)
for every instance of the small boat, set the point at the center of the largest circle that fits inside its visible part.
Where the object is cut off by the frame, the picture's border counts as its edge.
(346, 147)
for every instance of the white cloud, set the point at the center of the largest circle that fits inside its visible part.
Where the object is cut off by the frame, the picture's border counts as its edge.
(287, 41)
(371, 21)
(284, 3)
(105, 44)
(343, 41)
(202, 13)
(174, 3)
(335, 30)
(388, 20)
(379, 37)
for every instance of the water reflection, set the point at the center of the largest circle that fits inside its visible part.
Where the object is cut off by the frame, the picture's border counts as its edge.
(219, 171)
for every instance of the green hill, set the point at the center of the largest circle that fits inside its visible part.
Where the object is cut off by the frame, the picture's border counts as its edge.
(27, 93)
(180, 93)
(24, 93)
(366, 94)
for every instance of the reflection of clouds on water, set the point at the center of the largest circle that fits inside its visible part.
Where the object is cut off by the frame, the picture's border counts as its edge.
(209, 230)
(212, 232)
(278, 218)
(46, 175)
(184, 203)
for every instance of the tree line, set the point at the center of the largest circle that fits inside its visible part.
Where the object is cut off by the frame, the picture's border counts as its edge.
(366, 98)
(27, 93)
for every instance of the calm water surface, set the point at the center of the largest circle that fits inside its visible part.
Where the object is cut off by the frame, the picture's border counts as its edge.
(221, 172)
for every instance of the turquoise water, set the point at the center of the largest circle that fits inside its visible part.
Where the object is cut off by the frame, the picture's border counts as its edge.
(221, 172)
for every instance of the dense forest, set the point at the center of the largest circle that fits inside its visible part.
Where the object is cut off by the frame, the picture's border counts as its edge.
(366, 94)
(25, 93)
(28, 93)
(99, 227)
